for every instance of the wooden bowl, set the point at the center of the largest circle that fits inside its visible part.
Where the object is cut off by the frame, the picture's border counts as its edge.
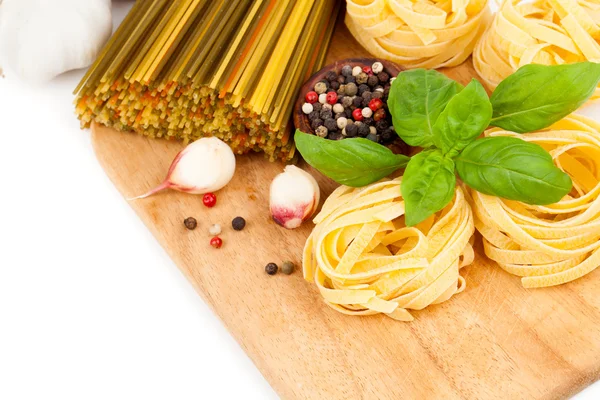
(301, 120)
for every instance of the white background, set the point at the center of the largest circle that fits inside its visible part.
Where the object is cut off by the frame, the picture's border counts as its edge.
(91, 307)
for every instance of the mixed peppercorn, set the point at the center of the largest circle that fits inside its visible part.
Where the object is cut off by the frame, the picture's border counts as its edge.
(352, 103)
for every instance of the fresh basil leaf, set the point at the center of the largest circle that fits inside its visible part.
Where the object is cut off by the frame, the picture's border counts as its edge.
(514, 169)
(417, 97)
(352, 162)
(536, 96)
(467, 115)
(427, 185)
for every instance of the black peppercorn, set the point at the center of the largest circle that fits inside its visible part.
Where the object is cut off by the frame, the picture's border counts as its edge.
(190, 223)
(347, 70)
(341, 79)
(377, 94)
(331, 76)
(388, 134)
(316, 123)
(362, 88)
(313, 115)
(271, 268)
(351, 130)
(331, 125)
(238, 223)
(383, 77)
(325, 114)
(386, 92)
(373, 137)
(339, 115)
(317, 107)
(350, 79)
(372, 81)
(346, 101)
(382, 125)
(335, 136)
(368, 121)
(348, 113)
(335, 85)
(367, 95)
(363, 130)
(357, 101)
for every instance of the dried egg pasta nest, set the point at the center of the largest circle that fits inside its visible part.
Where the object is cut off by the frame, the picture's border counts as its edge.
(421, 33)
(557, 243)
(365, 260)
(540, 31)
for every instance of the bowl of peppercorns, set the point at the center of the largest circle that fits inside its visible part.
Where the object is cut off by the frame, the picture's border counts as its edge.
(348, 99)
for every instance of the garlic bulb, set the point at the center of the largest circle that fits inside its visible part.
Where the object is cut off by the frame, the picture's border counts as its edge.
(294, 197)
(204, 166)
(41, 39)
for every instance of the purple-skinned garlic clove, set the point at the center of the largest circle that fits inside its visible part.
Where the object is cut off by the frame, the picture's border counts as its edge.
(294, 197)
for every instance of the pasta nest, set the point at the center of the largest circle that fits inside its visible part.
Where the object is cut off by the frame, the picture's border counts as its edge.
(553, 244)
(421, 33)
(365, 260)
(541, 32)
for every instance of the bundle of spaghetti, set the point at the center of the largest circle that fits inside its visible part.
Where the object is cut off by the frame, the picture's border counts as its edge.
(538, 31)
(365, 260)
(418, 33)
(553, 244)
(185, 69)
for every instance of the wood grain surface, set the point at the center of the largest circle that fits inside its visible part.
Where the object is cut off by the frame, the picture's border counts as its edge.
(494, 341)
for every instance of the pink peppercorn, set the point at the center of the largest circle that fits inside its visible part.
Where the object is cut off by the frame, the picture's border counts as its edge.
(379, 114)
(331, 98)
(357, 114)
(375, 104)
(367, 70)
(312, 97)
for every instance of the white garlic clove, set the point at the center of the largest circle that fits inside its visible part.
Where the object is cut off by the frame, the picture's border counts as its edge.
(294, 197)
(204, 166)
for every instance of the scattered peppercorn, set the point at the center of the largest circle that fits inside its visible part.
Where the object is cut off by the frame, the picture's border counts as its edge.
(351, 89)
(316, 123)
(383, 77)
(321, 131)
(313, 115)
(330, 124)
(322, 98)
(347, 70)
(379, 115)
(356, 71)
(368, 121)
(357, 114)
(190, 223)
(351, 130)
(339, 115)
(373, 137)
(326, 106)
(335, 85)
(377, 67)
(346, 101)
(367, 70)
(362, 88)
(375, 104)
(338, 108)
(341, 79)
(209, 200)
(331, 97)
(367, 112)
(238, 223)
(271, 268)
(288, 267)
(377, 94)
(325, 114)
(320, 87)
(373, 81)
(216, 242)
(307, 108)
(363, 130)
(382, 125)
(311, 97)
(350, 79)
(317, 106)
(357, 101)
(214, 230)
(362, 78)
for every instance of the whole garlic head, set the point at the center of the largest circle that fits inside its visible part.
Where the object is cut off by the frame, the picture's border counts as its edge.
(41, 39)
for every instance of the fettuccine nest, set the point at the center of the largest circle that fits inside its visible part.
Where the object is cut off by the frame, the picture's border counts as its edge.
(558, 243)
(365, 260)
(540, 31)
(421, 33)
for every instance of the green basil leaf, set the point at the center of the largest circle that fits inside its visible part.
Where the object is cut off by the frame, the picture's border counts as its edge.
(464, 118)
(353, 162)
(536, 96)
(514, 169)
(427, 185)
(417, 97)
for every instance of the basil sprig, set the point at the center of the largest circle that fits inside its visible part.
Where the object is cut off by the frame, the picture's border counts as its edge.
(536, 96)
(416, 100)
(352, 162)
(428, 185)
(434, 112)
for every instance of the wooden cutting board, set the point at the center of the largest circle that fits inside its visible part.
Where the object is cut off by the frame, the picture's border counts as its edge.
(494, 341)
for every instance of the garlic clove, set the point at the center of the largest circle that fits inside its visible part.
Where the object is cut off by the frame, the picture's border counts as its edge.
(294, 197)
(204, 166)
